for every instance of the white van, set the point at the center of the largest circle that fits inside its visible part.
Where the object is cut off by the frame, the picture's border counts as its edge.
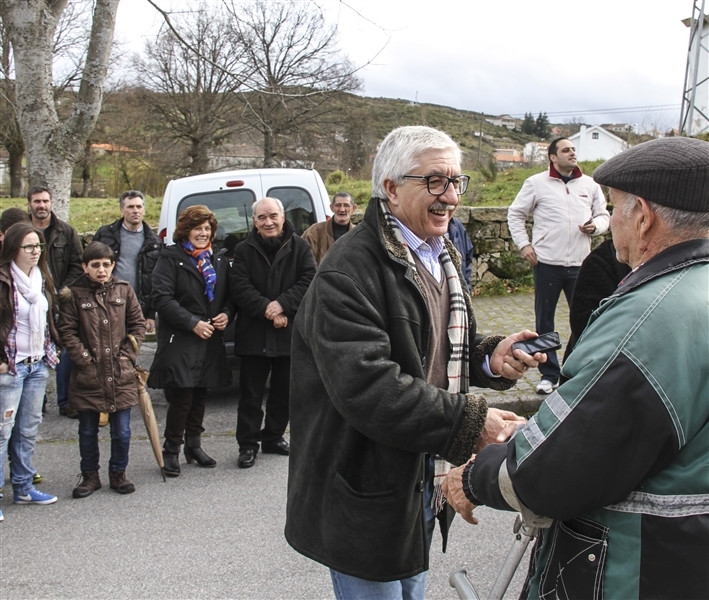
(230, 194)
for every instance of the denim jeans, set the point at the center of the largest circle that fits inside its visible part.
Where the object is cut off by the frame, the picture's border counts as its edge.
(63, 376)
(347, 587)
(21, 411)
(119, 422)
(549, 282)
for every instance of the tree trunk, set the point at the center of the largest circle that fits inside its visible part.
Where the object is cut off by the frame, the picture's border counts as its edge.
(52, 146)
(16, 190)
(268, 152)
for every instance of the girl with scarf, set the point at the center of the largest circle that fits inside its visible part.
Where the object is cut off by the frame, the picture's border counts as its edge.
(190, 295)
(28, 351)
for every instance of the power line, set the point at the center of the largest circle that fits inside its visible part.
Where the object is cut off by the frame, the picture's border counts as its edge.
(598, 111)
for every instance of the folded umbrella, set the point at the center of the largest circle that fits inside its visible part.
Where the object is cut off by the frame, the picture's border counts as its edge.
(146, 409)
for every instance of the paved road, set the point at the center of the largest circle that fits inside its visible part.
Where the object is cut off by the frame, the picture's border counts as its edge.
(211, 533)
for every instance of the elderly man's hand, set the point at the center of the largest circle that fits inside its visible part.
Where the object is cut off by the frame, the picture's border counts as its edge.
(452, 488)
(503, 361)
(203, 330)
(220, 321)
(273, 310)
(280, 321)
(499, 426)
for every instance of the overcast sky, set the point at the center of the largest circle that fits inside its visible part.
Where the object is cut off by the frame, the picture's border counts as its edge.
(572, 58)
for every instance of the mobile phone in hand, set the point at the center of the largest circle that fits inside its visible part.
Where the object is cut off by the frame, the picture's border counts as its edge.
(546, 342)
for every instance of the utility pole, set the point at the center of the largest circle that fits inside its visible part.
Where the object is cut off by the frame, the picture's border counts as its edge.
(694, 117)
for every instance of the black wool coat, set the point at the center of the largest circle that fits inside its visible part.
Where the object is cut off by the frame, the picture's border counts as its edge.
(184, 360)
(362, 415)
(255, 282)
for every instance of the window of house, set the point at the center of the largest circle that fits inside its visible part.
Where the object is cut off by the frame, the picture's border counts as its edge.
(594, 135)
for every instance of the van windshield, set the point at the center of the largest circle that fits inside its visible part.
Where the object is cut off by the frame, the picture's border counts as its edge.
(232, 209)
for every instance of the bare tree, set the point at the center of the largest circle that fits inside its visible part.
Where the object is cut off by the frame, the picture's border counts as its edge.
(295, 70)
(52, 144)
(10, 136)
(191, 83)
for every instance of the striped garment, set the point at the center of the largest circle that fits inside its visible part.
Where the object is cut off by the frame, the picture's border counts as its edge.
(458, 331)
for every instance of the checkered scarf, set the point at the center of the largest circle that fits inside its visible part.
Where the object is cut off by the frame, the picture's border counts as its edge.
(458, 331)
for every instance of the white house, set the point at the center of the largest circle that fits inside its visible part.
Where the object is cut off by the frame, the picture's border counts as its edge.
(596, 143)
(503, 121)
(536, 152)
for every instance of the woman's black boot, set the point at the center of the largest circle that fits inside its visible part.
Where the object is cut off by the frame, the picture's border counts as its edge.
(195, 454)
(171, 458)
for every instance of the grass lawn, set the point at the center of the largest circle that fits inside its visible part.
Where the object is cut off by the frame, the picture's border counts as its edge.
(88, 214)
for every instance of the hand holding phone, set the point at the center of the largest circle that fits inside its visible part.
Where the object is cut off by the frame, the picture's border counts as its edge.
(547, 342)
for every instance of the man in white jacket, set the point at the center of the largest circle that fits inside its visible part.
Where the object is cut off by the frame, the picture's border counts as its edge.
(568, 207)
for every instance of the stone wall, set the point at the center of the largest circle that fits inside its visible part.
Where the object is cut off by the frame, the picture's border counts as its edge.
(496, 256)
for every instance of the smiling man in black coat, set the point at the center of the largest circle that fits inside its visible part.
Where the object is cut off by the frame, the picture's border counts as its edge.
(271, 272)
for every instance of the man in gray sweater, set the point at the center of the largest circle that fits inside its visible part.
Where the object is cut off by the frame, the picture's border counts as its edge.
(136, 247)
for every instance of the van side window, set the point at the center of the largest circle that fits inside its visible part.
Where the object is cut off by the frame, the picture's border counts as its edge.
(298, 204)
(232, 209)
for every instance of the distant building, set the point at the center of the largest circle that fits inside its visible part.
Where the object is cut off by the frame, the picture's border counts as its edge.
(618, 127)
(110, 149)
(508, 157)
(535, 152)
(596, 143)
(503, 121)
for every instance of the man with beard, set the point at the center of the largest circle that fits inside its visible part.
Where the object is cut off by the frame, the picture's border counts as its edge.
(64, 259)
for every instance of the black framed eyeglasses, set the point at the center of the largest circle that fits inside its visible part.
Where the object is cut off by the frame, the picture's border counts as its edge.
(30, 248)
(438, 184)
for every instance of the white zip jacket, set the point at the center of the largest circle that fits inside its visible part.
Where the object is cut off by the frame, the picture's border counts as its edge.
(558, 209)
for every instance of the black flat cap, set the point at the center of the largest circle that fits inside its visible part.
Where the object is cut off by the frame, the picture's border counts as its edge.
(671, 171)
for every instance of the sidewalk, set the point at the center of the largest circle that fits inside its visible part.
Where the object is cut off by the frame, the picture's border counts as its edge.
(504, 315)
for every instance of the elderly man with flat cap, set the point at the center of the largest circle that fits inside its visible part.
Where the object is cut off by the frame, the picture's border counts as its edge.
(617, 455)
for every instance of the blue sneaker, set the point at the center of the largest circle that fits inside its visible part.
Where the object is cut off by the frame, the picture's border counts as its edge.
(35, 497)
(1, 517)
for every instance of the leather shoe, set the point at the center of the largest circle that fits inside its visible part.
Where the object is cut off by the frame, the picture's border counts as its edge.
(280, 447)
(247, 458)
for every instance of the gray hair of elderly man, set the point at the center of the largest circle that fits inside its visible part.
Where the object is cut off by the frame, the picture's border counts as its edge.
(399, 152)
(281, 210)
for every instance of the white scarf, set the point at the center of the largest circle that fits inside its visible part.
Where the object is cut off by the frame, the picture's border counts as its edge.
(31, 289)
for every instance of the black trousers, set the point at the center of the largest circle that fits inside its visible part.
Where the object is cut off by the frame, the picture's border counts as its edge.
(549, 282)
(252, 384)
(185, 413)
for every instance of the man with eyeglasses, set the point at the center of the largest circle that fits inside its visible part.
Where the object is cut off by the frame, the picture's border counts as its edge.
(321, 236)
(384, 352)
(568, 208)
(64, 259)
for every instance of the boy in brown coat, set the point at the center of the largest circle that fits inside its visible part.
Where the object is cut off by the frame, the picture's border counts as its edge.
(102, 326)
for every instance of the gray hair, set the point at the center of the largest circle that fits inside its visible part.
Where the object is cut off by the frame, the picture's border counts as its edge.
(343, 195)
(686, 223)
(399, 152)
(281, 210)
(129, 195)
